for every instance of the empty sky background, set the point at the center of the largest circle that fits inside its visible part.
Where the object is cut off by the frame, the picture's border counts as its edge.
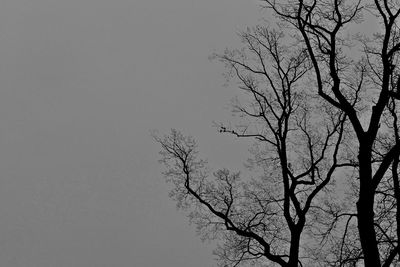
(81, 84)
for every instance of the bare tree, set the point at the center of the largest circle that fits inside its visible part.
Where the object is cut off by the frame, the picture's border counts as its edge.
(320, 97)
(301, 144)
(323, 26)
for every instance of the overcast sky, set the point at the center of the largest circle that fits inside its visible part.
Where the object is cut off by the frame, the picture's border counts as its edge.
(81, 84)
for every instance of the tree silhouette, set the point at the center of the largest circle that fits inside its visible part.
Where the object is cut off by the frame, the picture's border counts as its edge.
(320, 101)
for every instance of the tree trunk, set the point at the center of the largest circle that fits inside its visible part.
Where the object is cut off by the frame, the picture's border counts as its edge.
(294, 247)
(365, 212)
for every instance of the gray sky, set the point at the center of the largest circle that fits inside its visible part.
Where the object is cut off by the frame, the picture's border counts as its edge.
(81, 84)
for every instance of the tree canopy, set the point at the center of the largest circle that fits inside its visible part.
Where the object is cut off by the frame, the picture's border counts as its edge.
(320, 100)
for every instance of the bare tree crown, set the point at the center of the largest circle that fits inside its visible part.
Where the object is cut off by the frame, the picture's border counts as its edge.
(320, 100)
